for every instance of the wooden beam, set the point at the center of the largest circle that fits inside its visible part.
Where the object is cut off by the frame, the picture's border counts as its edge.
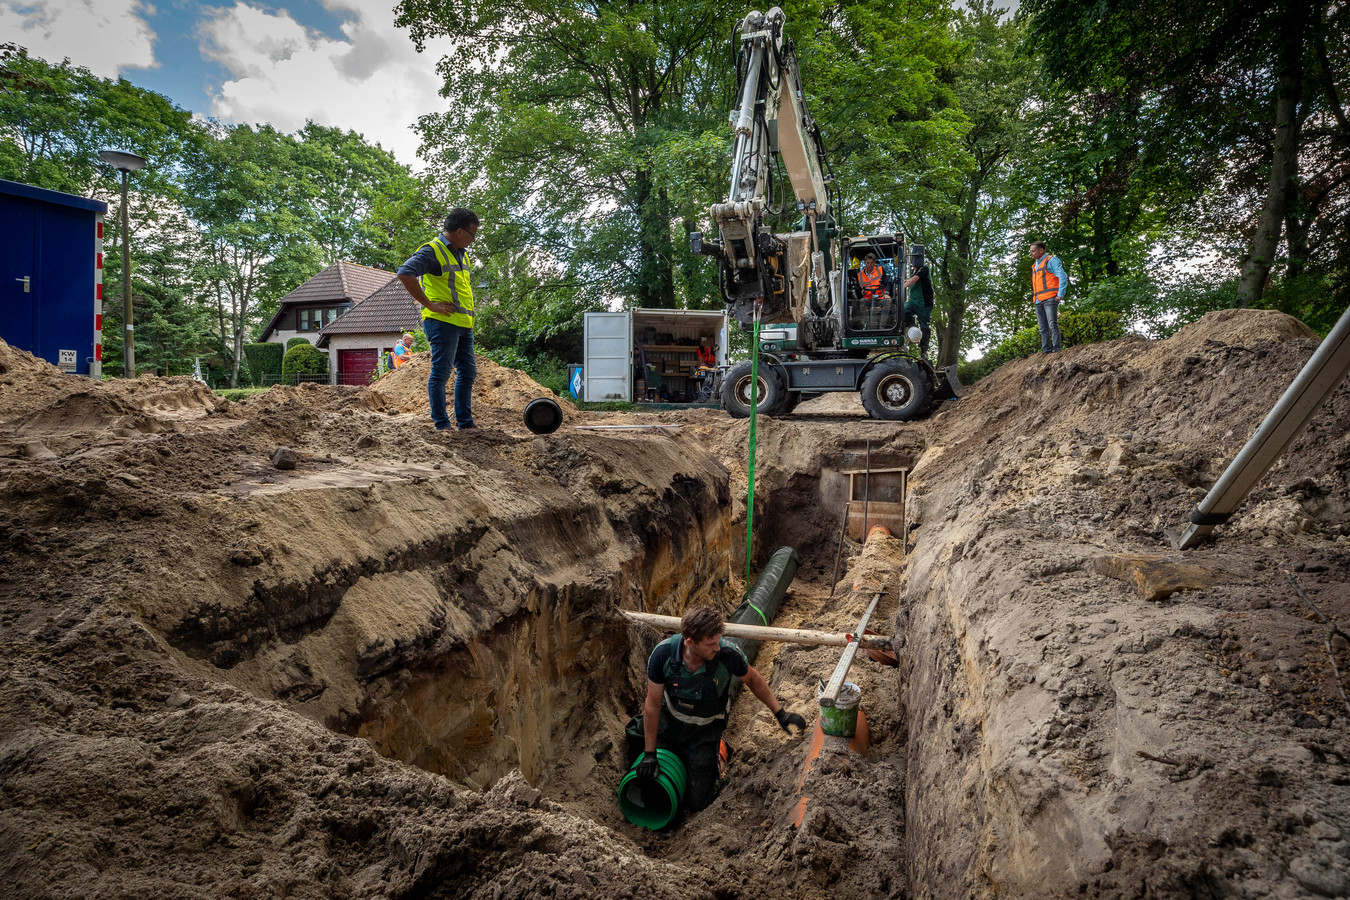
(766, 633)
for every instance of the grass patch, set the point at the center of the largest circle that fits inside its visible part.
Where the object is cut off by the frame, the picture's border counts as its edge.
(238, 393)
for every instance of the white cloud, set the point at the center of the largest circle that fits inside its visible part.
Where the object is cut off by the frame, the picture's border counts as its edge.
(106, 37)
(372, 81)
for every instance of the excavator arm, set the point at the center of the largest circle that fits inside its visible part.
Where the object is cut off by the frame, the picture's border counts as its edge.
(760, 272)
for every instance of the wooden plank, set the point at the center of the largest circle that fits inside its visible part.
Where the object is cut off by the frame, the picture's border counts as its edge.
(767, 633)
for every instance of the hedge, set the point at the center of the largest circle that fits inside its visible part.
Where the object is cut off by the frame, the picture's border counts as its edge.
(262, 359)
(1074, 327)
(297, 341)
(305, 359)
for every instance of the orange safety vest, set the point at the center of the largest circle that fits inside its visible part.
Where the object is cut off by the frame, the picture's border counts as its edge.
(1044, 283)
(400, 358)
(871, 284)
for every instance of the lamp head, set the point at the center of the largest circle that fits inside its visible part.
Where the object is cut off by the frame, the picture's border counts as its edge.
(121, 160)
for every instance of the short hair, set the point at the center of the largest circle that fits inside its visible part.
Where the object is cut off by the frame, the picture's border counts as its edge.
(871, 257)
(1040, 244)
(700, 623)
(457, 218)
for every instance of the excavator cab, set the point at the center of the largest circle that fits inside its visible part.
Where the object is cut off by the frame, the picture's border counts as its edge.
(873, 318)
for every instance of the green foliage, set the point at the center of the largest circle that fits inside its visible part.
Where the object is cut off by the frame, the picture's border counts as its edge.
(297, 341)
(240, 393)
(263, 359)
(1310, 297)
(549, 371)
(305, 359)
(1075, 328)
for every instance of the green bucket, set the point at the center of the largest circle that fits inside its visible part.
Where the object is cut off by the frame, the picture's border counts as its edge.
(841, 719)
(653, 804)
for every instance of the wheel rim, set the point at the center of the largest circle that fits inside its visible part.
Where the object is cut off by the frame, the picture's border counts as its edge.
(895, 390)
(743, 391)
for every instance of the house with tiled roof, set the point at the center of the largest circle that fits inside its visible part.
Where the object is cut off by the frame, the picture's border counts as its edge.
(357, 339)
(322, 300)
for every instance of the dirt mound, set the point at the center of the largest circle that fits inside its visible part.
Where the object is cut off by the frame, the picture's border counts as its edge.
(500, 394)
(28, 383)
(1241, 327)
(397, 669)
(315, 397)
(1126, 703)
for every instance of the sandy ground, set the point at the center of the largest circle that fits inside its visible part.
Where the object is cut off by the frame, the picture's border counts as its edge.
(398, 668)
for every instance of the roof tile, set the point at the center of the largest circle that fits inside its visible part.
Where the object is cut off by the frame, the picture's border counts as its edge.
(342, 281)
(389, 309)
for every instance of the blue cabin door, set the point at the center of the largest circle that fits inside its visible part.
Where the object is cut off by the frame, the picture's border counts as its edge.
(18, 271)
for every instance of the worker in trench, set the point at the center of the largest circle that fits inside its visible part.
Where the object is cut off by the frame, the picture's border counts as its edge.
(689, 678)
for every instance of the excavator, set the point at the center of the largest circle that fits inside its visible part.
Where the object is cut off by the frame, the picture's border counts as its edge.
(819, 332)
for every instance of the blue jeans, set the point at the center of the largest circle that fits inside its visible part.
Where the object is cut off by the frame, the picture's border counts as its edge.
(451, 345)
(1047, 319)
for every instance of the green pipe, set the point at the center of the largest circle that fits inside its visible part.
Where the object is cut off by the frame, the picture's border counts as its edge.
(761, 603)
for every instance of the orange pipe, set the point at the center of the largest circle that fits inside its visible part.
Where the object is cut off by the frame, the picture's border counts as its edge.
(858, 744)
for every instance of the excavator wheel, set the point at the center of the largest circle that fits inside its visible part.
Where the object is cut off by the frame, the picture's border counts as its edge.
(898, 390)
(736, 391)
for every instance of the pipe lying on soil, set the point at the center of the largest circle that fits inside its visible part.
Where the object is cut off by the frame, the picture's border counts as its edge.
(830, 695)
(764, 633)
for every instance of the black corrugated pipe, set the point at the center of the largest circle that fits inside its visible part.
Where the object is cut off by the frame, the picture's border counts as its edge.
(761, 604)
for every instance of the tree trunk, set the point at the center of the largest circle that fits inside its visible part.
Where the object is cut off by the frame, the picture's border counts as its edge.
(1284, 162)
(655, 285)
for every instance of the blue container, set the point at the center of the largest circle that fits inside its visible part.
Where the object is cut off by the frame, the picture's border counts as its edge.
(51, 275)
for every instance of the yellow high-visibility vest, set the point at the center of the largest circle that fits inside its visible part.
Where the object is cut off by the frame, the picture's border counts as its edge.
(452, 285)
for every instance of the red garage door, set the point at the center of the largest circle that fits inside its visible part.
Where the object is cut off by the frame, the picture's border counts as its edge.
(356, 366)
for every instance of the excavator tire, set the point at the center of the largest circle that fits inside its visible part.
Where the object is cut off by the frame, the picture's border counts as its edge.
(897, 390)
(736, 392)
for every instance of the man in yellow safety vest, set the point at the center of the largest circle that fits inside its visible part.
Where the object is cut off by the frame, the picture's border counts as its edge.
(437, 277)
(1048, 283)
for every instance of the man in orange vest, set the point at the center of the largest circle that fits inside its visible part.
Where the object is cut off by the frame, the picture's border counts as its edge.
(872, 279)
(402, 351)
(1048, 283)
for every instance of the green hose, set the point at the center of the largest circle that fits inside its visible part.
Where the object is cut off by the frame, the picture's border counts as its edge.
(754, 408)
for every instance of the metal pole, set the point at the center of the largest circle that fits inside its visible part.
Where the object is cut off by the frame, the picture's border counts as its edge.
(129, 329)
(1286, 419)
(867, 487)
(831, 692)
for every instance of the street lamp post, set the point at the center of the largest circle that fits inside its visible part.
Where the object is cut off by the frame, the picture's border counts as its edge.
(126, 163)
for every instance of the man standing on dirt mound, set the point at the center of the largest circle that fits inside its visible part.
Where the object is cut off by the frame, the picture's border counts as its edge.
(1049, 281)
(688, 699)
(437, 277)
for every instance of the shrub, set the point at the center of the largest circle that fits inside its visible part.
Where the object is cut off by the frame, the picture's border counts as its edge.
(305, 359)
(297, 341)
(1075, 328)
(262, 359)
(240, 393)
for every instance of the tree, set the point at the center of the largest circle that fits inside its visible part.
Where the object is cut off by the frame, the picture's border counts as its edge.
(357, 201)
(566, 111)
(242, 193)
(1200, 81)
(961, 207)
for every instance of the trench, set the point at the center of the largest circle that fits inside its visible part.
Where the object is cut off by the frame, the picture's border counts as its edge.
(499, 645)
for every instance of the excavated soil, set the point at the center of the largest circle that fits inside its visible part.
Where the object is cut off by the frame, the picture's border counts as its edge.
(390, 662)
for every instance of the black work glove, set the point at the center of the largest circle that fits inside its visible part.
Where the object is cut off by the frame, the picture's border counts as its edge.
(648, 769)
(786, 718)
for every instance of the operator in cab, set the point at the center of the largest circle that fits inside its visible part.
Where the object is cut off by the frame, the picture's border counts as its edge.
(689, 679)
(873, 280)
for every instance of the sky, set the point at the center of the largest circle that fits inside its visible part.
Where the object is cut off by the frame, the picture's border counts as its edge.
(338, 62)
